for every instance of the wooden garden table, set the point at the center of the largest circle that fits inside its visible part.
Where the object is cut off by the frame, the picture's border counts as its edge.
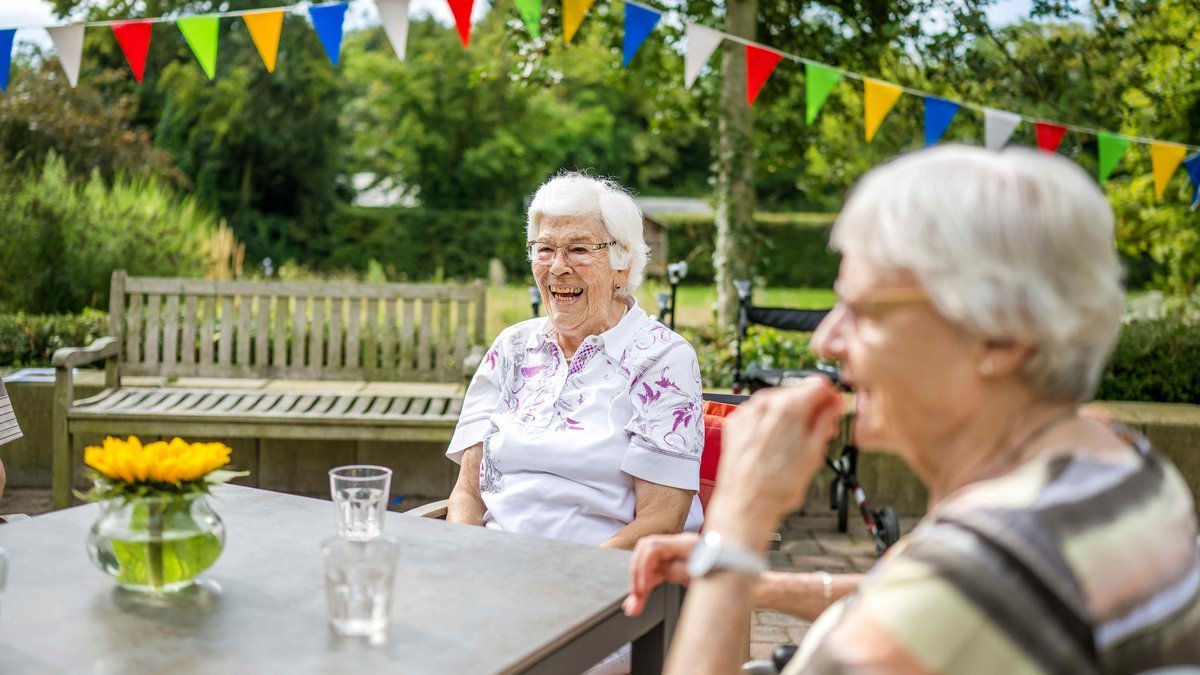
(467, 600)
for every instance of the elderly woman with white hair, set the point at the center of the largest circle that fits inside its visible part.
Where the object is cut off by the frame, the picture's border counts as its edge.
(584, 425)
(978, 299)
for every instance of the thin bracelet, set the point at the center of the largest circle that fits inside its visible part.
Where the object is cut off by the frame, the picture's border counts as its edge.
(826, 587)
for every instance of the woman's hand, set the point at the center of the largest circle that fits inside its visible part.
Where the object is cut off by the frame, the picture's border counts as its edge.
(772, 447)
(657, 559)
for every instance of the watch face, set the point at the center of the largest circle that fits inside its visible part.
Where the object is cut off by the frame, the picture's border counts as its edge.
(704, 556)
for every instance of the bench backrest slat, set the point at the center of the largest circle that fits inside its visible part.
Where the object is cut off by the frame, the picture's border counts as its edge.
(295, 330)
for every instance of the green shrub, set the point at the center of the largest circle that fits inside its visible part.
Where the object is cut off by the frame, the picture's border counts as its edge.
(764, 347)
(793, 248)
(28, 340)
(60, 240)
(423, 244)
(1155, 360)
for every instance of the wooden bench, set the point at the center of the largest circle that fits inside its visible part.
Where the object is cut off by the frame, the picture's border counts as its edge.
(258, 332)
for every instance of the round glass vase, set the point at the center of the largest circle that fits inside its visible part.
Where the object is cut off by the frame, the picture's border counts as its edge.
(158, 543)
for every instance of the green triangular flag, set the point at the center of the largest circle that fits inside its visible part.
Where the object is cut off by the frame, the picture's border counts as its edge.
(1111, 149)
(201, 35)
(531, 14)
(818, 82)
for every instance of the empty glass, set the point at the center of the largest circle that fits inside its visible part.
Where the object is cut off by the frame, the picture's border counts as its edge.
(360, 498)
(359, 575)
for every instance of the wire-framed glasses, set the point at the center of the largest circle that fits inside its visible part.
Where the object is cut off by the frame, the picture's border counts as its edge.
(577, 252)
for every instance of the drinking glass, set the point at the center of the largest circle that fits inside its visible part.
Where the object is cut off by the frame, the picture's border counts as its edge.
(359, 575)
(360, 497)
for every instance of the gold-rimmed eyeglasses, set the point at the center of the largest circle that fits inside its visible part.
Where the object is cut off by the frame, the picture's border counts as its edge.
(577, 252)
(881, 301)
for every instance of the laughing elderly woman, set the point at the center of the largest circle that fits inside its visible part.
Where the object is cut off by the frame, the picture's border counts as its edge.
(584, 425)
(978, 299)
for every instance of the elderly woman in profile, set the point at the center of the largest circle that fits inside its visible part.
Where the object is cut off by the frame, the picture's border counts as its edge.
(584, 425)
(978, 299)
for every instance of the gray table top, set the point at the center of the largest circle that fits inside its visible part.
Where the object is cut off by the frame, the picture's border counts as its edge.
(467, 599)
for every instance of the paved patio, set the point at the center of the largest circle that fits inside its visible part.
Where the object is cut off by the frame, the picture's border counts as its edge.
(810, 542)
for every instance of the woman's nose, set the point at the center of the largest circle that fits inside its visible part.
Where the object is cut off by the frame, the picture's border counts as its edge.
(558, 265)
(829, 340)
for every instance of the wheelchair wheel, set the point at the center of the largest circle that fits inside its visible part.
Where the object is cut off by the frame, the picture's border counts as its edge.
(833, 492)
(843, 505)
(889, 530)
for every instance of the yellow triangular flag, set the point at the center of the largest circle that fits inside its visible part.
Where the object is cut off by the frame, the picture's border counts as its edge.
(1164, 158)
(879, 97)
(264, 30)
(573, 13)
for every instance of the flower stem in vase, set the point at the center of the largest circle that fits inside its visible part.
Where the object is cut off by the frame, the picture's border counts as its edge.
(154, 542)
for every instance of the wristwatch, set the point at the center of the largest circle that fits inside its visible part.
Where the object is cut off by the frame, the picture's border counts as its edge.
(713, 555)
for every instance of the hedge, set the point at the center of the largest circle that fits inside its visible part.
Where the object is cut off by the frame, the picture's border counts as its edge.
(29, 340)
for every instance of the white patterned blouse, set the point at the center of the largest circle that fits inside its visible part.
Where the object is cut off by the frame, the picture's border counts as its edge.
(562, 442)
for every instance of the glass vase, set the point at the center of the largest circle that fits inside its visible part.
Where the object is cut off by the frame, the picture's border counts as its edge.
(156, 544)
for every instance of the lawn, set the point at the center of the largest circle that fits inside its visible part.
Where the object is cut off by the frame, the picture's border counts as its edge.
(509, 304)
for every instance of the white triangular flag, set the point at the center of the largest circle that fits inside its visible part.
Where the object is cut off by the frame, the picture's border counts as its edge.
(701, 42)
(998, 127)
(68, 42)
(394, 14)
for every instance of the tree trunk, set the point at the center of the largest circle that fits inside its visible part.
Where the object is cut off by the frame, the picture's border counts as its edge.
(733, 256)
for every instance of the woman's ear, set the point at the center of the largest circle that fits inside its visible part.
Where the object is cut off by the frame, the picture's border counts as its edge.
(1001, 358)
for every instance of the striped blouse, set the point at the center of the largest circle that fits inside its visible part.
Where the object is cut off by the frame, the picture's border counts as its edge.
(9, 431)
(1069, 564)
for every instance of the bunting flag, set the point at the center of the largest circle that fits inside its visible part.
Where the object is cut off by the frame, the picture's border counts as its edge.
(200, 32)
(878, 100)
(461, 9)
(998, 127)
(394, 15)
(760, 63)
(1192, 164)
(639, 23)
(6, 44)
(68, 42)
(1049, 135)
(573, 13)
(134, 38)
(1110, 150)
(327, 21)
(701, 43)
(1164, 159)
(819, 81)
(938, 114)
(264, 30)
(531, 14)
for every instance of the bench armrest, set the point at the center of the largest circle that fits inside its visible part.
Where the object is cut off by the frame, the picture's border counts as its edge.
(73, 357)
(471, 361)
(433, 510)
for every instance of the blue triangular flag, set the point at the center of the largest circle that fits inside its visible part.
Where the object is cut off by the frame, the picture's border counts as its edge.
(327, 21)
(938, 115)
(1192, 164)
(639, 23)
(6, 42)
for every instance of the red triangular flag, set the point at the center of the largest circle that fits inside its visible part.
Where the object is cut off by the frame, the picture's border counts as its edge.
(1049, 135)
(134, 37)
(760, 63)
(462, 18)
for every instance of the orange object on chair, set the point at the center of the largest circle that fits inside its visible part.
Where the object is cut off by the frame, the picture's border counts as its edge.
(714, 420)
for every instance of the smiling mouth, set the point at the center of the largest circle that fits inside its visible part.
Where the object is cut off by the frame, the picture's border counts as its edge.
(565, 294)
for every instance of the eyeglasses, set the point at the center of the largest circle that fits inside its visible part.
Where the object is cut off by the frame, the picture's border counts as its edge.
(578, 253)
(880, 302)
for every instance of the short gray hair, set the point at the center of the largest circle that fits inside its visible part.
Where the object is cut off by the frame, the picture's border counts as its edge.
(572, 193)
(1011, 245)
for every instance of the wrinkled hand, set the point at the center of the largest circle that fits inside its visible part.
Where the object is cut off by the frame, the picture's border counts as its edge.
(771, 449)
(657, 559)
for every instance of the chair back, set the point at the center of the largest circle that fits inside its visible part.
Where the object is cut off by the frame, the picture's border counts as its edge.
(716, 408)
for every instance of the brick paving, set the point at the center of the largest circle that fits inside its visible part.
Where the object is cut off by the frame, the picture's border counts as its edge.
(810, 542)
